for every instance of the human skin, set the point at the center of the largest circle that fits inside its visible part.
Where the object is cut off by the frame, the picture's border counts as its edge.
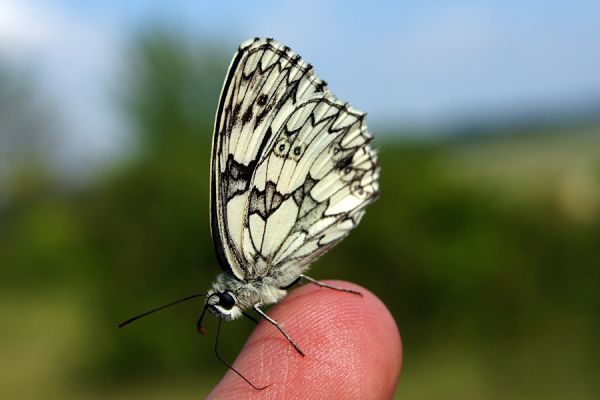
(352, 346)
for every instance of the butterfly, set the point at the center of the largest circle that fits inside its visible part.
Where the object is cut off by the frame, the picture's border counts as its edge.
(292, 172)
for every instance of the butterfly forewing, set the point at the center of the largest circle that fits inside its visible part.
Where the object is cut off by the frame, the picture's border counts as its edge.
(292, 170)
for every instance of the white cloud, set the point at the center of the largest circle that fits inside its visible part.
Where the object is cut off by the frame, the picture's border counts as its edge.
(20, 27)
(75, 62)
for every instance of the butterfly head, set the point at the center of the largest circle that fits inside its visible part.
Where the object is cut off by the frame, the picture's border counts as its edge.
(223, 304)
(229, 296)
(222, 301)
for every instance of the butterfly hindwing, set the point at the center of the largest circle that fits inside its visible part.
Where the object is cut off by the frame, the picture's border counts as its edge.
(292, 170)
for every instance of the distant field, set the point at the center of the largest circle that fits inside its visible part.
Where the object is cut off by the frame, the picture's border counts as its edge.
(531, 161)
(562, 166)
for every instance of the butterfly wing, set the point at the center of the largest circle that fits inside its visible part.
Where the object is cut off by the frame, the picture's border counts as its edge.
(292, 170)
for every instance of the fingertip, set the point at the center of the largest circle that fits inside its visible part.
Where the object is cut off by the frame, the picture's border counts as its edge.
(352, 346)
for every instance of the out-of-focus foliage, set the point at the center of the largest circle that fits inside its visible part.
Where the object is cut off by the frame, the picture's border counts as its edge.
(494, 284)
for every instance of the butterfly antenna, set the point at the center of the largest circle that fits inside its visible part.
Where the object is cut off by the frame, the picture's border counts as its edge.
(199, 326)
(228, 365)
(130, 320)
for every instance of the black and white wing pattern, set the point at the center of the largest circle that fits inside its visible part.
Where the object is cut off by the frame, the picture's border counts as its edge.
(292, 170)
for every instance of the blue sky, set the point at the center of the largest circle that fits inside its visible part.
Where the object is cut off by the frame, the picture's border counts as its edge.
(404, 62)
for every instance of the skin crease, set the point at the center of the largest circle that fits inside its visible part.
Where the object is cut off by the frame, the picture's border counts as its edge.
(352, 345)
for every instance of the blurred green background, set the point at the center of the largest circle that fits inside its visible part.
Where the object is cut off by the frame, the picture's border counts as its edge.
(484, 244)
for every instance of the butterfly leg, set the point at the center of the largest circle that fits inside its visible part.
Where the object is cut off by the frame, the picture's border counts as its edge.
(294, 283)
(271, 320)
(250, 317)
(326, 285)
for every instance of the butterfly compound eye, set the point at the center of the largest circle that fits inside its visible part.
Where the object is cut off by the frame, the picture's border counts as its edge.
(226, 300)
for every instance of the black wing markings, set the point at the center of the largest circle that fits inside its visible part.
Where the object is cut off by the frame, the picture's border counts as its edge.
(231, 116)
(310, 211)
(237, 177)
(266, 202)
(217, 135)
(284, 69)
